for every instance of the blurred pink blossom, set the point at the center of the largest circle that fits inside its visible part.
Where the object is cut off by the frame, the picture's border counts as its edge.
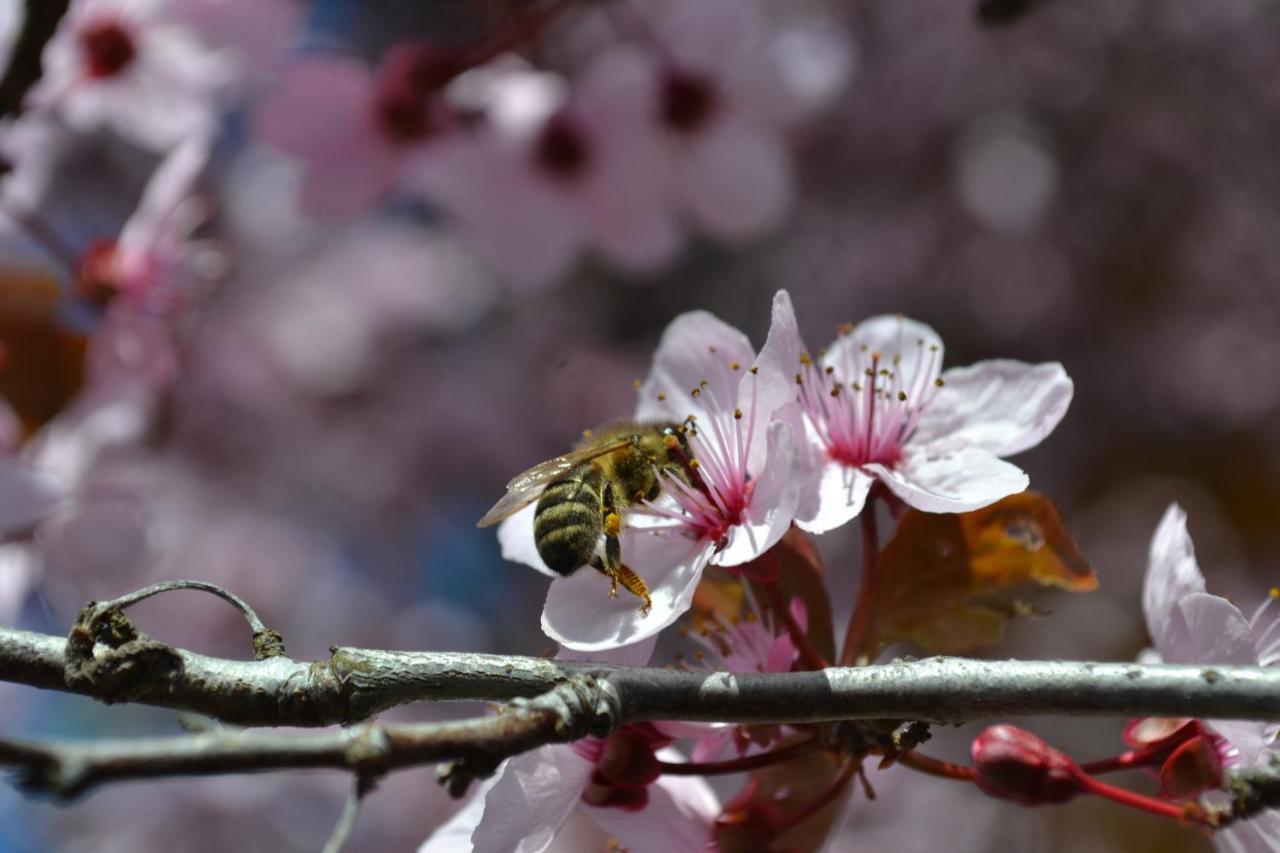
(353, 129)
(119, 64)
(877, 406)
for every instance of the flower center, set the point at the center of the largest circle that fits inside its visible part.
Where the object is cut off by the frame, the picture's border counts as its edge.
(562, 149)
(865, 406)
(688, 100)
(108, 49)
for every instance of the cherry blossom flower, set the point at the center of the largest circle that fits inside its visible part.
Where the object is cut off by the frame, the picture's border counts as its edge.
(719, 98)
(352, 128)
(548, 172)
(531, 803)
(1191, 626)
(120, 64)
(876, 405)
(741, 503)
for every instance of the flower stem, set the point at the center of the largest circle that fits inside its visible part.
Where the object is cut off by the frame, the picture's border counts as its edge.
(1123, 761)
(936, 767)
(857, 637)
(738, 765)
(1133, 800)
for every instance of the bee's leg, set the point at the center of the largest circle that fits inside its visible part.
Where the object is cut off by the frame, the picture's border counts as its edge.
(612, 565)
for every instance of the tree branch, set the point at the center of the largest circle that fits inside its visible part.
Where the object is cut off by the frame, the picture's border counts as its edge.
(355, 684)
(38, 25)
(572, 710)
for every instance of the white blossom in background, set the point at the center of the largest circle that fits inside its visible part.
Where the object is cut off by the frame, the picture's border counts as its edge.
(118, 64)
(1191, 626)
(877, 405)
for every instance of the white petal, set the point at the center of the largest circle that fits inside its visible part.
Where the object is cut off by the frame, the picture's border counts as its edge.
(636, 654)
(515, 536)
(677, 818)
(835, 499)
(1002, 406)
(1219, 631)
(1260, 834)
(696, 346)
(912, 345)
(783, 345)
(531, 800)
(579, 613)
(455, 834)
(773, 502)
(965, 480)
(737, 180)
(1172, 575)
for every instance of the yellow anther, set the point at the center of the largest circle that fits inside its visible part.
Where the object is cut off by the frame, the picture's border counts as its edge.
(737, 413)
(799, 380)
(661, 396)
(696, 391)
(902, 396)
(636, 383)
(835, 392)
(695, 464)
(844, 328)
(804, 358)
(586, 433)
(755, 370)
(733, 365)
(939, 382)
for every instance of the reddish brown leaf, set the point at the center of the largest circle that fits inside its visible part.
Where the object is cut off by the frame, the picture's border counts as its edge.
(935, 576)
(42, 365)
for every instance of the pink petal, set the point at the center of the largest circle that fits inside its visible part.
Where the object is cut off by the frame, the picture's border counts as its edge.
(1260, 834)
(696, 346)
(1172, 575)
(316, 97)
(912, 344)
(1219, 631)
(836, 499)
(1002, 406)
(515, 537)
(965, 480)
(737, 180)
(533, 797)
(580, 615)
(773, 502)
(783, 345)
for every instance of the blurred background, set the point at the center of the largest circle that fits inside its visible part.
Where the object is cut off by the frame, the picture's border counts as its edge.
(1094, 182)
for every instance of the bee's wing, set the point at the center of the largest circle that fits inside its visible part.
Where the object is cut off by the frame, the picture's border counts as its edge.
(525, 488)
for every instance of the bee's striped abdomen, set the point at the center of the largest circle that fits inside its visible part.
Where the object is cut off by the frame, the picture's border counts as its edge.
(567, 524)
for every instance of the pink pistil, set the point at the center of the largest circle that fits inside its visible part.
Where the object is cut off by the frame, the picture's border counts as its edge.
(873, 423)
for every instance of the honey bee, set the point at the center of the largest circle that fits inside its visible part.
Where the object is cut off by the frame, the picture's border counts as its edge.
(581, 496)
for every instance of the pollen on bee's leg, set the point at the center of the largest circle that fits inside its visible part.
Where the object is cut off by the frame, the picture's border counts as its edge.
(612, 524)
(636, 586)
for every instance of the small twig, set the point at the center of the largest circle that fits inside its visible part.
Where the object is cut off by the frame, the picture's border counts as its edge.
(347, 820)
(266, 642)
(579, 707)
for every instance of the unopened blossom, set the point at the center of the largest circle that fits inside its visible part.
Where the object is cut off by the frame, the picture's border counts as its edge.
(550, 171)
(877, 405)
(121, 64)
(532, 802)
(1191, 626)
(735, 503)
(352, 128)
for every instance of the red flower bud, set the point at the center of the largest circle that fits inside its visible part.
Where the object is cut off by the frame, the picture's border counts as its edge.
(1013, 764)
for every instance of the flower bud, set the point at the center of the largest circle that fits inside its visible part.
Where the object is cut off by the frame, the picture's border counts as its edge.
(1013, 764)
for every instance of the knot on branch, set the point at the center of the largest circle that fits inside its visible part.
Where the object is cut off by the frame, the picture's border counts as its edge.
(583, 705)
(106, 655)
